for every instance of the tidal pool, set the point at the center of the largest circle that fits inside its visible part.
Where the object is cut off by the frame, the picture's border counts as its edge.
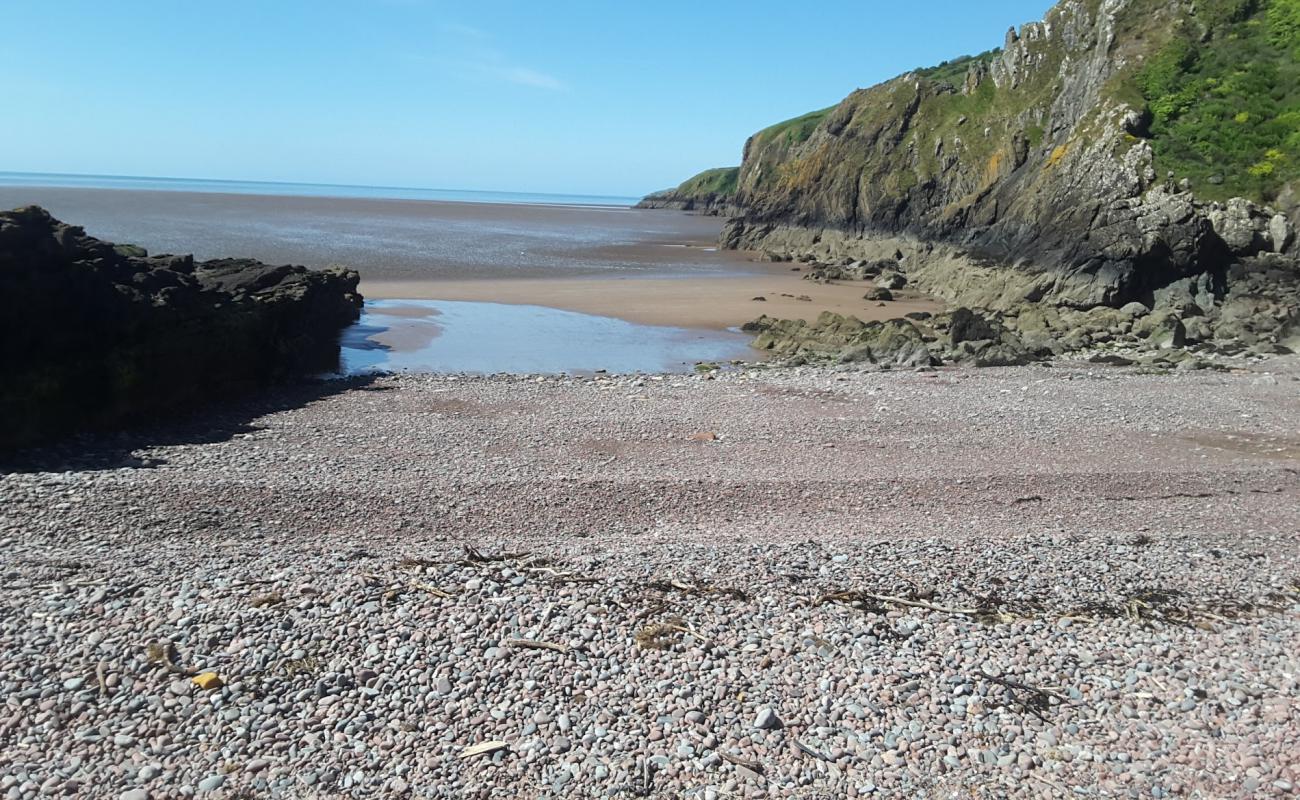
(455, 336)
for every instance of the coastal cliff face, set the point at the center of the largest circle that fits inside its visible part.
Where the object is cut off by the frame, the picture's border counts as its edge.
(1039, 171)
(93, 335)
(712, 193)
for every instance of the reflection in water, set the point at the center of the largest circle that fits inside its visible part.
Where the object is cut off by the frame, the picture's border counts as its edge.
(453, 336)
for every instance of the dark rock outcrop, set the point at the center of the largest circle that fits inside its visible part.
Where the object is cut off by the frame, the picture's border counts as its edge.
(95, 335)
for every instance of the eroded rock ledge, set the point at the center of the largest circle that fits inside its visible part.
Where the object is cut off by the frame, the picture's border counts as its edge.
(95, 335)
(1251, 309)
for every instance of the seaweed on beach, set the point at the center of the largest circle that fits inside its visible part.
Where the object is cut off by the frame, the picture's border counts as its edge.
(663, 635)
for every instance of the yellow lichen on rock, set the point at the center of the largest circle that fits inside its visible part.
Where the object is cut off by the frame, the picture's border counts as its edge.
(1058, 153)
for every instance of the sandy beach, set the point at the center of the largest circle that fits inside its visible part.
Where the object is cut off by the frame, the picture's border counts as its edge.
(689, 302)
(1028, 582)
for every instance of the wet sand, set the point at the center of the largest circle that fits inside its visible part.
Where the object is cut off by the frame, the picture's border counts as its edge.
(705, 302)
(408, 328)
(408, 240)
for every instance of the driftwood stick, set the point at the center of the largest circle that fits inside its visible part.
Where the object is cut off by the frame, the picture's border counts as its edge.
(740, 762)
(902, 601)
(431, 589)
(537, 644)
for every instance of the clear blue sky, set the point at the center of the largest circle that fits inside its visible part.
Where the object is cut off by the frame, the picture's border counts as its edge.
(611, 97)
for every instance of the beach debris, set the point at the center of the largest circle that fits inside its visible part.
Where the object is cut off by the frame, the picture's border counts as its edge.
(268, 599)
(475, 556)
(662, 635)
(561, 577)
(537, 644)
(1034, 699)
(753, 766)
(759, 299)
(704, 436)
(700, 588)
(859, 597)
(809, 751)
(164, 654)
(483, 748)
(207, 681)
(431, 589)
(308, 665)
(412, 563)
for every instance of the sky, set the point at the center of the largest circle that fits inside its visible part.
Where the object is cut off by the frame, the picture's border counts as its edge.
(612, 98)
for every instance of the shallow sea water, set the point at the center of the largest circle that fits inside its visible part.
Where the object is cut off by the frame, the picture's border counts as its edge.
(486, 338)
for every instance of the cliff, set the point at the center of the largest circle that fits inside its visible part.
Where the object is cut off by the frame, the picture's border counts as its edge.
(1046, 159)
(712, 192)
(94, 335)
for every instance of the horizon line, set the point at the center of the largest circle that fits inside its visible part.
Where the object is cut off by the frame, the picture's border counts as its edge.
(314, 184)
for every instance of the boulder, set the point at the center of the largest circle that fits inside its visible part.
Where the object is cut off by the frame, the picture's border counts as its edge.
(1248, 229)
(1164, 330)
(967, 326)
(1281, 233)
(891, 280)
(1198, 329)
(878, 293)
(895, 342)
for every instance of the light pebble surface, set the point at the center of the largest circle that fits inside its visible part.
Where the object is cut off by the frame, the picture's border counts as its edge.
(303, 558)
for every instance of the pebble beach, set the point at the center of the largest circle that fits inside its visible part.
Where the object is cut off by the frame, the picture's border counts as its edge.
(1064, 581)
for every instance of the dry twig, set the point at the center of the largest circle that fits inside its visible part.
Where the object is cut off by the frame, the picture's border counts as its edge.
(537, 644)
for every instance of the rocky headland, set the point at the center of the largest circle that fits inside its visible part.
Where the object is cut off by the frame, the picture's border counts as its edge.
(1106, 180)
(712, 193)
(94, 334)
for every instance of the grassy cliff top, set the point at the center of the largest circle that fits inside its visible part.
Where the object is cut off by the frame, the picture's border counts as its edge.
(719, 181)
(793, 131)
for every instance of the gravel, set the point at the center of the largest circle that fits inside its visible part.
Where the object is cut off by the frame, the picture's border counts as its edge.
(1027, 582)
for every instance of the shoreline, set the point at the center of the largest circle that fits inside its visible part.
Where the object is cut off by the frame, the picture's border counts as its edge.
(711, 303)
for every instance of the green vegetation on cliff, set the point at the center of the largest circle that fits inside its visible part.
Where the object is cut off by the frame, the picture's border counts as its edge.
(720, 181)
(954, 72)
(793, 131)
(1224, 98)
